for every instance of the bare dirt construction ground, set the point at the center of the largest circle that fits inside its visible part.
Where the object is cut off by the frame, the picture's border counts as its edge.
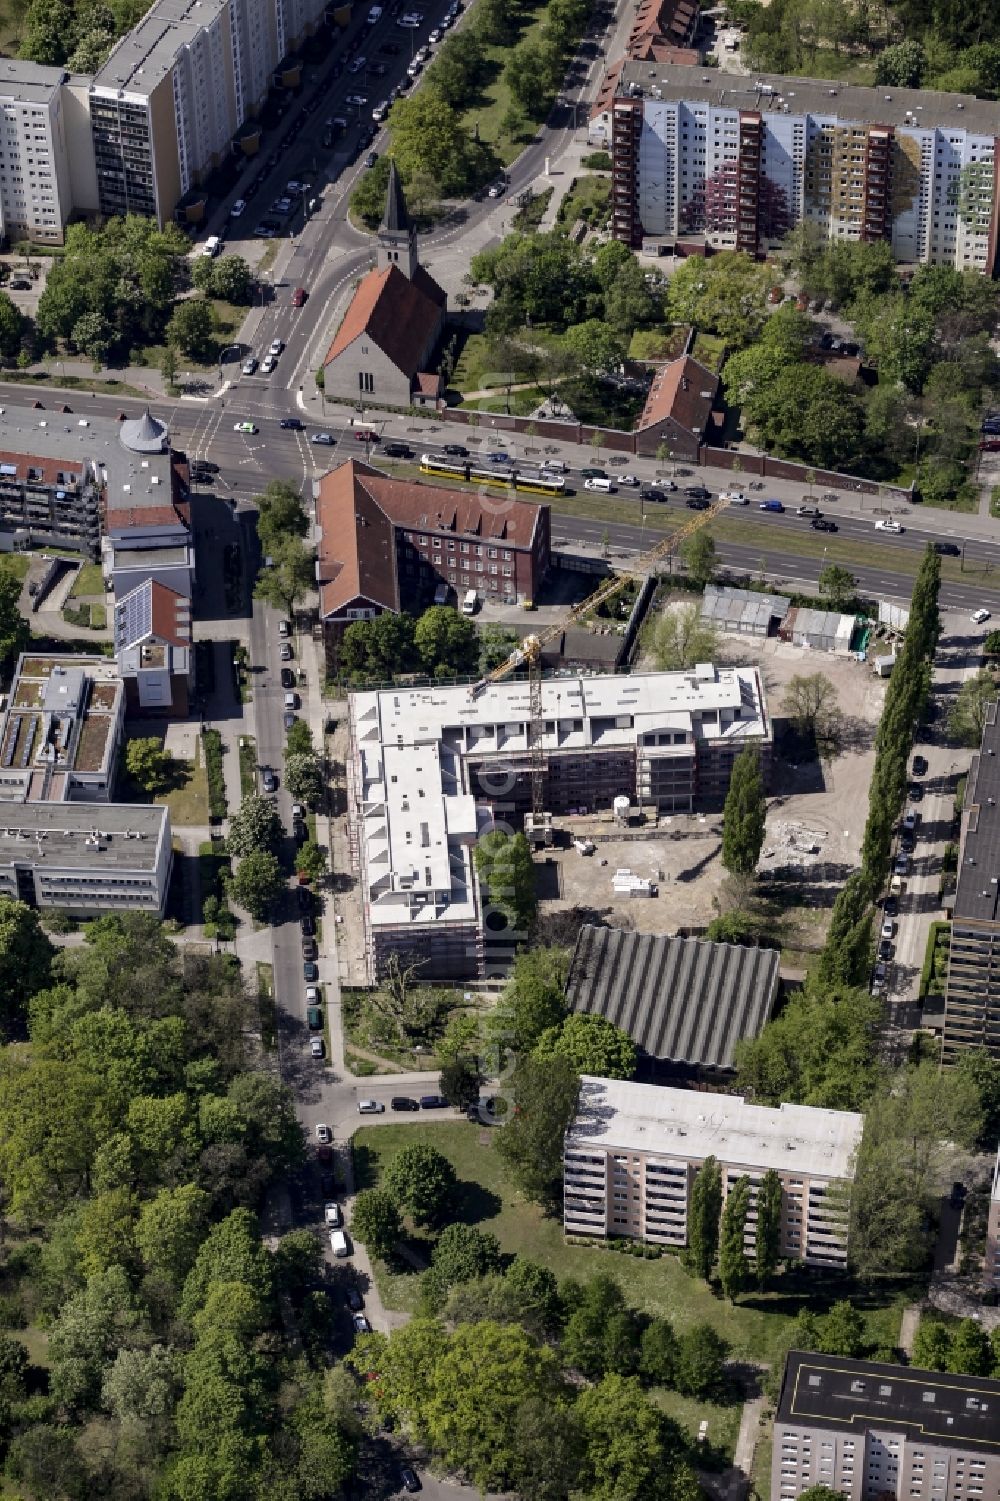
(815, 821)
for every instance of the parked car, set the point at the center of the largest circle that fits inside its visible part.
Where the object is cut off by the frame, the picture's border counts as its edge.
(433, 1102)
(324, 1133)
(979, 616)
(888, 929)
(409, 1481)
(403, 1102)
(885, 949)
(371, 159)
(370, 1107)
(332, 1214)
(361, 1324)
(889, 525)
(310, 971)
(285, 651)
(353, 1299)
(268, 779)
(310, 949)
(238, 209)
(314, 1018)
(307, 924)
(317, 1048)
(919, 766)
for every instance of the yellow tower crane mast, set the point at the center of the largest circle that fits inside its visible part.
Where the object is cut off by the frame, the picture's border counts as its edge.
(529, 653)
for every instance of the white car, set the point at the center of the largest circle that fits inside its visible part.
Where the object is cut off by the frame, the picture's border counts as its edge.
(332, 1215)
(244, 427)
(323, 1133)
(435, 35)
(380, 111)
(313, 997)
(276, 348)
(888, 929)
(238, 209)
(628, 479)
(411, 22)
(980, 616)
(414, 68)
(734, 497)
(295, 189)
(910, 821)
(497, 190)
(316, 1047)
(423, 54)
(370, 1107)
(249, 366)
(889, 526)
(267, 364)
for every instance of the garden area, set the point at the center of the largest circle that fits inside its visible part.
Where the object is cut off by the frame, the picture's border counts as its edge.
(757, 1328)
(402, 1025)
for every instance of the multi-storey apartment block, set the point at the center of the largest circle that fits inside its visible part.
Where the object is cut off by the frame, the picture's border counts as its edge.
(972, 989)
(62, 732)
(733, 163)
(631, 1155)
(874, 1432)
(35, 183)
(429, 769)
(86, 859)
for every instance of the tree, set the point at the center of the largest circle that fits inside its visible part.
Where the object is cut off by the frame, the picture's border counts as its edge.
(810, 701)
(231, 1252)
(45, 1458)
(983, 1072)
(310, 861)
(658, 1353)
(375, 1222)
(254, 826)
(458, 68)
(258, 884)
(744, 815)
(231, 279)
(148, 764)
(11, 328)
(624, 1440)
(170, 1229)
(14, 632)
(842, 1331)
(601, 1334)
(168, 366)
(461, 1081)
(428, 136)
(291, 577)
(547, 1452)
(703, 1217)
(932, 1345)
(298, 739)
(971, 1353)
(967, 718)
(528, 80)
(191, 329)
(734, 1269)
(141, 1388)
(47, 32)
(26, 956)
(280, 514)
(838, 585)
(698, 554)
(304, 779)
(537, 1292)
(680, 637)
(422, 1181)
(592, 1044)
(819, 1051)
(504, 866)
(595, 346)
(446, 642)
(462, 1254)
(768, 1236)
(903, 65)
(701, 1355)
(545, 1095)
(533, 999)
(726, 296)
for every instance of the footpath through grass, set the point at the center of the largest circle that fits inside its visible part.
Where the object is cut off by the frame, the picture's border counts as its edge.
(757, 1329)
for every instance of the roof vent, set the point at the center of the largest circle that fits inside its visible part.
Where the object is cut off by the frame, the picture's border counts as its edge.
(957, 106)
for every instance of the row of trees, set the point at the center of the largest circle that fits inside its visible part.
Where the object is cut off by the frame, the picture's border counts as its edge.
(439, 643)
(717, 1231)
(135, 1149)
(963, 1348)
(77, 35)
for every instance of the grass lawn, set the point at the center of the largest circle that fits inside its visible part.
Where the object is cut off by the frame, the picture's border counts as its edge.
(268, 1011)
(90, 580)
(588, 199)
(709, 350)
(487, 113)
(658, 343)
(723, 1422)
(16, 563)
(521, 404)
(756, 1329)
(188, 799)
(248, 765)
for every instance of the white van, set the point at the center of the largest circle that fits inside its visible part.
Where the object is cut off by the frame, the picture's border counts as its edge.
(338, 1243)
(606, 486)
(212, 246)
(470, 601)
(291, 700)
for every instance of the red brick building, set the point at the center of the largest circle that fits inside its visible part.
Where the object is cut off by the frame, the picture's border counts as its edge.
(387, 544)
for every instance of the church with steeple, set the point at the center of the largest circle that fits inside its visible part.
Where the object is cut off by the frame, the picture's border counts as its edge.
(385, 350)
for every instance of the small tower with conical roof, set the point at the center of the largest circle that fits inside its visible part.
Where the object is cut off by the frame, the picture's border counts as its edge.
(397, 238)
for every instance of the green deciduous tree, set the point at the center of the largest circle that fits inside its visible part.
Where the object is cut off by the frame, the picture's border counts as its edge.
(767, 1249)
(170, 1230)
(592, 1044)
(11, 328)
(459, 67)
(932, 1345)
(148, 764)
(375, 1222)
(422, 1181)
(429, 136)
(254, 826)
(734, 1269)
(192, 329)
(679, 637)
(810, 701)
(838, 585)
(703, 1217)
(26, 956)
(624, 1437)
(701, 1354)
(304, 779)
(258, 883)
(819, 1051)
(461, 1254)
(445, 642)
(311, 861)
(533, 999)
(698, 554)
(744, 815)
(967, 718)
(504, 867)
(280, 514)
(461, 1081)
(14, 632)
(545, 1094)
(292, 576)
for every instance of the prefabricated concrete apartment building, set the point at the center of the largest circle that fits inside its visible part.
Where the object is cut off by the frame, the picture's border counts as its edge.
(430, 770)
(631, 1156)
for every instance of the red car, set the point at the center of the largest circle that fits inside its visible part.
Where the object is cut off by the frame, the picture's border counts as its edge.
(299, 297)
(366, 435)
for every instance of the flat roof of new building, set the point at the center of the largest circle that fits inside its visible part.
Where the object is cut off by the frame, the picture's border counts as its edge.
(681, 1000)
(978, 893)
(86, 836)
(66, 443)
(693, 1125)
(769, 93)
(830, 1391)
(144, 55)
(23, 82)
(62, 716)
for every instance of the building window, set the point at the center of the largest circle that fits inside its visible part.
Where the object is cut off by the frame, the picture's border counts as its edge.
(366, 382)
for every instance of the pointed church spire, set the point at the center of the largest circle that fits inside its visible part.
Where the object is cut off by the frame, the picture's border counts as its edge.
(395, 220)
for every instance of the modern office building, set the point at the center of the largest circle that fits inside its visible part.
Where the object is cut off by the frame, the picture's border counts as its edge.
(991, 1263)
(388, 544)
(62, 731)
(875, 1432)
(429, 769)
(631, 1155)
(719, 161)
(84, 859)
(972, 988)
(684, 1002)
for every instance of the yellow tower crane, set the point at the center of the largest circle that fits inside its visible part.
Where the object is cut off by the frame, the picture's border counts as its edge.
(529, 653)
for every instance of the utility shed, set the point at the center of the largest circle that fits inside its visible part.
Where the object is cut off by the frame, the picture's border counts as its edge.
(818, 630)
(742, 610)
(684, 1002)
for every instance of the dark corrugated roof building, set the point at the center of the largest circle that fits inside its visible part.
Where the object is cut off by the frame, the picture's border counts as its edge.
(684, 1002)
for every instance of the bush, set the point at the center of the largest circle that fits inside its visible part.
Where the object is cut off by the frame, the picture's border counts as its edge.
(211, 741)
(597, 161)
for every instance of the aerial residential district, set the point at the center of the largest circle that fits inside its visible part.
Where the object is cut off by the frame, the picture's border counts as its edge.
(499, 750)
